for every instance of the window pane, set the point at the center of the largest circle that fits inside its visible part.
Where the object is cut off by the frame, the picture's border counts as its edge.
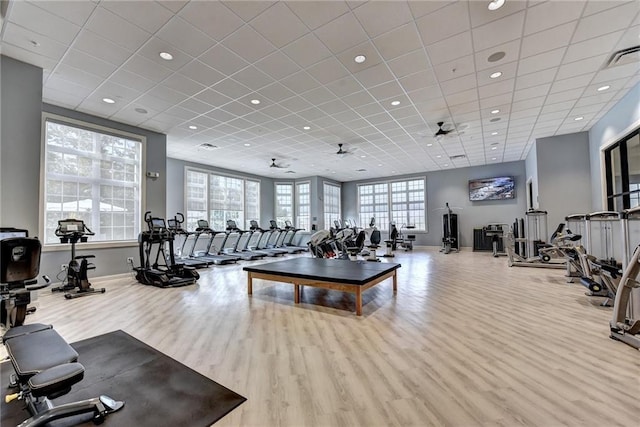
(332, 208)
(92, 176)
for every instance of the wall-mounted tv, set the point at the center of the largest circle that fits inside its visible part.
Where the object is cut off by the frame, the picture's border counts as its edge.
(498, 188)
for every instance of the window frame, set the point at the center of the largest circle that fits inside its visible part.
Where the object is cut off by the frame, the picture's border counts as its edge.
(210, 172)
(297, 205)
(291, 184)
(389, 184)
(609, 188)
(326, 184)
(92, 127)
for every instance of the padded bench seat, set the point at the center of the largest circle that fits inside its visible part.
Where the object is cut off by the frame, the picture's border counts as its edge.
(32, 353)
(17, 331)
(55, 380)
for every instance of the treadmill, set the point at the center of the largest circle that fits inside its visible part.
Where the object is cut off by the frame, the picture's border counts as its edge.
(288, 226)
(262, 248)
(242, 251)
(206, 254)
(175, 227)
(279, 241)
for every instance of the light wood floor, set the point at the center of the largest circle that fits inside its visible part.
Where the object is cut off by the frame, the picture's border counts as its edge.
(467, 341)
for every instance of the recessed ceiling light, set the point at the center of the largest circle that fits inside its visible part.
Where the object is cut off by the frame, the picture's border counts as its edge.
(166, 56)
(429, 144)
(379, 164)
(493, 158)
(438, 156)
(601, 88)
(494, 148)
(306, 127)
(246, 144)
(108, 100)
(362, 156)
(494, 133)
(495, 75)
(333, 171)
(141, 111)
(495, 4)
(446, 164)
(255, 101)
(192, 127)
(360, 59)
(578, 118)
(393, 171)
(495, 111)
(394, 103)
(495, 57)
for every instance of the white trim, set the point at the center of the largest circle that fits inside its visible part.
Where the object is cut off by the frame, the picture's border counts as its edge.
(56, 247)
(604, 147)
(99, 129)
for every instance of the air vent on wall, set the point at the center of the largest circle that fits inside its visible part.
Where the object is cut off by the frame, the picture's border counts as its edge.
(207, 146)
(457, 157)
(623, 57)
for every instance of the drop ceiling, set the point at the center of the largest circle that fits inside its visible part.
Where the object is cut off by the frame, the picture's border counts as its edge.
(297, 59)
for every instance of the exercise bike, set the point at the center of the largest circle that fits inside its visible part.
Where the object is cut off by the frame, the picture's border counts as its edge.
(74, 231)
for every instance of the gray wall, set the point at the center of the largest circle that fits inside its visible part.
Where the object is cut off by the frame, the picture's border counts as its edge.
(618, 122)
(531, 167)
(20, 144)
(452, 186)
(563, 176)
(21, 147)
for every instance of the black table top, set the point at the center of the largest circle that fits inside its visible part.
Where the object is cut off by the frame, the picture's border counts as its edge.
(330, 270)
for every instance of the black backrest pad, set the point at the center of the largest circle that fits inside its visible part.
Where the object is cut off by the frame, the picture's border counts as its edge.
(19, 259)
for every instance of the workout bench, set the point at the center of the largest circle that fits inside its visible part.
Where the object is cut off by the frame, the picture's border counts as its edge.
(46, 367)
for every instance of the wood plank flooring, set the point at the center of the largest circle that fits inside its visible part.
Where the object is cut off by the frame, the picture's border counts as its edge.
(467, 341)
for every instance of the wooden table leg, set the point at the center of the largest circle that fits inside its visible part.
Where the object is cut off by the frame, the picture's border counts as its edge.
(395, 281)
(249, 283)
(296, 294)
(358, 302)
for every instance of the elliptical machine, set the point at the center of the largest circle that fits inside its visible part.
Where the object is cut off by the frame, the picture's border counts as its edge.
(163, 272)
(73, 231)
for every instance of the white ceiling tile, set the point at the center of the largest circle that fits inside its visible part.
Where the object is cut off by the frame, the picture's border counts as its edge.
(23, 38)
(572, 83)
(223, 60)
(185, 36)
(584, 66)
(374, 76)
(550, 14)
(510, 49)
(43, 22)
(380, 17)
(411, 63)
(524, 103)
(211, 17)
(535, 79)
(104, 23)
(367, 49)
(154, 46)
(541, 61)
(75, 11)
(307, 50)
(498, 88)
(547, 40)
(531, 92)
(630, 37)
(388, 90)
(564, 96)
(247, 10)
(459, 84)
(148, 15)
(508, 72)
(196, 106)
(81, 60)
(47, 64)
(315, 13)
(418, 80)
(129, 79)
(173, 5)
(97, 46)
(231, 88)
(565, 106)
(425, 94)
(289, 26)
(78, 76)
(147, 68)
(249, 44)
(615, 73)
(605, 22)
(326, 71)
(277, 65)
(481, 15)
(68, 86)
(421, 8)
(451, 48)
(252, 78)
(201, 73)
(399, 41)
(167, 94)
(341, 33)
(276, 92)
(592, 47)
(498, 32)
(150, 102)
(443, 23)
(463, 97)
(183, 85)
(455, 69)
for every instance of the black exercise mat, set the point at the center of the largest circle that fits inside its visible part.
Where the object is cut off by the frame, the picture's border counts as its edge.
(158, 390)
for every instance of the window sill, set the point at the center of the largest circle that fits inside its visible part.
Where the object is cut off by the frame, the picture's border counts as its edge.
(53, 247)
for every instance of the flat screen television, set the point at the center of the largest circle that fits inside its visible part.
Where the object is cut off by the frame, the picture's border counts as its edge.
(498, 188)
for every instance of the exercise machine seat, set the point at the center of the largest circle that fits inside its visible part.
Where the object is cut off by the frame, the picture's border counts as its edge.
(56, 380)
(17, 331)
(26, 352)
(375, 238)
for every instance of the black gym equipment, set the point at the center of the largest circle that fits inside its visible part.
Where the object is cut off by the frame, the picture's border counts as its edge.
(175, 226)
(73, 231)
(46, 367)
(163, 272)
(210, 252)
(450, 235)
(241, 250)
(19, 267)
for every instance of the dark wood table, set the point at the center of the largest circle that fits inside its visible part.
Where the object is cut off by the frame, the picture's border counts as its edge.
(339, 275)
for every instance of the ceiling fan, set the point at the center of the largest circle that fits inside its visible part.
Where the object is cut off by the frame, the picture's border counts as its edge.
(341, 151)
(275, 165)
(442, 132)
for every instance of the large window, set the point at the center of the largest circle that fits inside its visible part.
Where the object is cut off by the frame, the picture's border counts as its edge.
(303, 205)
(284, 202)
(218, 198)
(622, 168)
(331, 204)
(402, 202)
(93, 174)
